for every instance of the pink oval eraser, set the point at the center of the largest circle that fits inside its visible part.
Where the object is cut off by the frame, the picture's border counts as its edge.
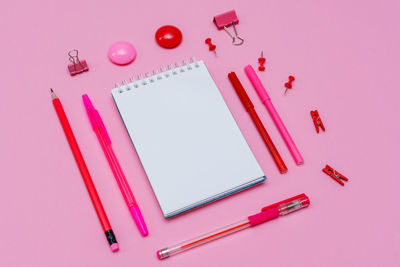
(121, 53)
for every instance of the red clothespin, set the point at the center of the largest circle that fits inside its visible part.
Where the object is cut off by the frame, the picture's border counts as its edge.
(77, 66)
(317, 120)
(338, 177)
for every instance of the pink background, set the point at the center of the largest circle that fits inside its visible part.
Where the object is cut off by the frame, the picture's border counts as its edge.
(345, 57)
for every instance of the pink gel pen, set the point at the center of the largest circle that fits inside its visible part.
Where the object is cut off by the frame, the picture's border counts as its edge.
(104, 139)
(267, 213)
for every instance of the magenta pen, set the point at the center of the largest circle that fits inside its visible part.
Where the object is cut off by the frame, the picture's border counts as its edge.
(267, 213)
(104, 139)
(262, 93)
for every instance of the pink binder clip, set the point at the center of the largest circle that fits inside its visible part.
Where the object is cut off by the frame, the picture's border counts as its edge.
(224, 20)
(77, 65)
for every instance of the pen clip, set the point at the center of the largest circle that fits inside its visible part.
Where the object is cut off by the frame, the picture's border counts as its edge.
(95, 119)
(301, 196)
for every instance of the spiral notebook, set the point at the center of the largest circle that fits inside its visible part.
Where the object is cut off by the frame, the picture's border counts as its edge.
(189, 144)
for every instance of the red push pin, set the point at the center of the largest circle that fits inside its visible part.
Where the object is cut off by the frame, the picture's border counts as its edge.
(261, 60)
(288, 85)
(211, 47)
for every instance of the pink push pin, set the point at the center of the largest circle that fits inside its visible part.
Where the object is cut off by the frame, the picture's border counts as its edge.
(121, 53)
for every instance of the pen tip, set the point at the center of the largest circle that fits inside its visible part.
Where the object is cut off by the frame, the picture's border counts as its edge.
(51, 90)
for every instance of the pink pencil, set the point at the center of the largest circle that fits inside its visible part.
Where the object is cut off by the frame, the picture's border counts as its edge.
(104, 139)
(262, 93)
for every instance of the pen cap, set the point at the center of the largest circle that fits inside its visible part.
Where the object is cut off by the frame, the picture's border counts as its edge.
(257, 84)
(95, 119)
(289, 205)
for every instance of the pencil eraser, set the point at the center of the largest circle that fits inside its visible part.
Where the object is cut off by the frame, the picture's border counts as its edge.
(114, 247)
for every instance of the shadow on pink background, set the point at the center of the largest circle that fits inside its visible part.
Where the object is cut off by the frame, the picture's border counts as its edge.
(345, 57)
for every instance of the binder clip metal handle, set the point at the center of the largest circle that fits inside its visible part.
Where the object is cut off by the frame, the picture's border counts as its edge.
(224, 20)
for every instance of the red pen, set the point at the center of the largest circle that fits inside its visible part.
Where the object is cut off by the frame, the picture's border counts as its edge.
(101, 214)
(260, 127)
(267, 213)
(105, 142)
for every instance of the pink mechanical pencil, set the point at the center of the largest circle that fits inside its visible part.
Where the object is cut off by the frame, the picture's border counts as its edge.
(104, 139)
(267, 213)
(262, 93)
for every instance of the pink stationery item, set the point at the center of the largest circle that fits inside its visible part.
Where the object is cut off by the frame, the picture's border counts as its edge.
(104, 139)
(224, 20)
(77, 66)
(267, 213)
(262, 93)
(121, 53)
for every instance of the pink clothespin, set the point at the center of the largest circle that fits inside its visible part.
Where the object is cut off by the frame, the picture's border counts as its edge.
(77, 66)
(224, 20)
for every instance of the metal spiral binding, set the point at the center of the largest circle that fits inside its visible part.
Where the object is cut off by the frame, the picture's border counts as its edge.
(157, 74)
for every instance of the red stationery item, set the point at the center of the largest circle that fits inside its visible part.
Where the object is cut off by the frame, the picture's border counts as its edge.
(306, 202)
(288, 85)
(260, 127)
(211, 47)
(268, 213)
(168, 36)
(101, 214)
(261, 61)
(317, 120)
(335, 175)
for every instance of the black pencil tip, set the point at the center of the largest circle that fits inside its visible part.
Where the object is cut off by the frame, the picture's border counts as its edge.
(51, 90)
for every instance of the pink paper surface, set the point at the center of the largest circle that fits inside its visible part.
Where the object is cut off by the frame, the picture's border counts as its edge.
(345, 58)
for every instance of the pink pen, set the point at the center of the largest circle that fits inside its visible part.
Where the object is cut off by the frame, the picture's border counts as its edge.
(267, 213)
(262, 93)
(104, 139)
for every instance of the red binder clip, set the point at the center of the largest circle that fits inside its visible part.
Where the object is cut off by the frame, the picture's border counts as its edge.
(338, 177)
(224, 20)
(317, 120)
(77, 65)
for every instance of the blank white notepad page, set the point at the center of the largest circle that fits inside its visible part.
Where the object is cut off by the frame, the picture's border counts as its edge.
(186, 138)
